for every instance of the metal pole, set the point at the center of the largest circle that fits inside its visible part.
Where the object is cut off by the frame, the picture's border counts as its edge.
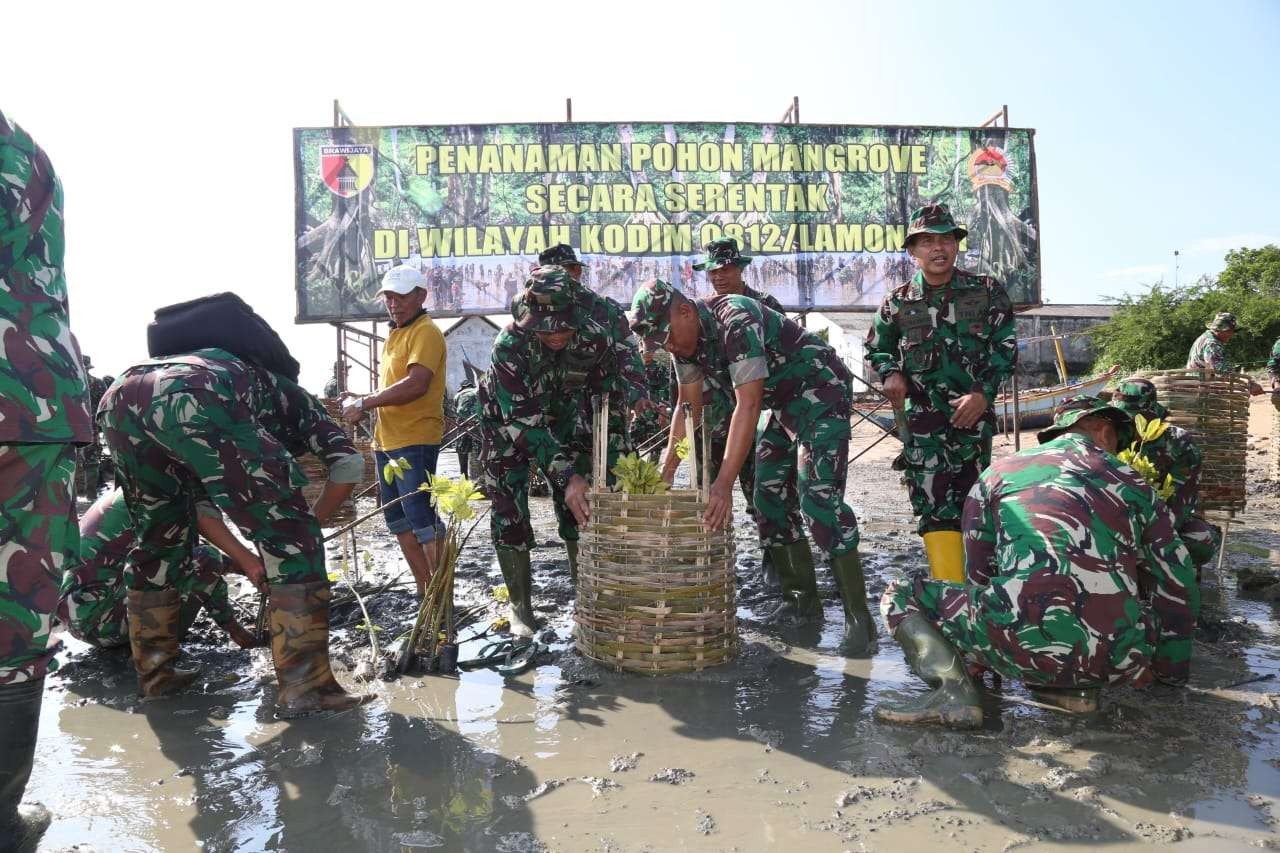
(1017, 418)
(795, 109)
(568, 109)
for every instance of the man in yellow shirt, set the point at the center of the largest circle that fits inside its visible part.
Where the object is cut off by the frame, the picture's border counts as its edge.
(410, 400)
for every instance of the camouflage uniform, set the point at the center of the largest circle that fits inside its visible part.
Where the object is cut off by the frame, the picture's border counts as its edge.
(465, 405)
(660, 381)
(1208, 353)
(520, 423)
(89, 457)
(1176, 455)
(1273, 363)
(1076, 575)
(209, 421)
(947, 341)
(43, 408)
(92, 602)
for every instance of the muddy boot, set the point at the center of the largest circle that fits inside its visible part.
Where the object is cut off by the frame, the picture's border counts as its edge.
(153, 636)
(955, 701)
(571, 546)
(799, 584)
(769, 572)
(20, 825)
(519, 577)
(299, 617)
(1073, 700)
(859, 627)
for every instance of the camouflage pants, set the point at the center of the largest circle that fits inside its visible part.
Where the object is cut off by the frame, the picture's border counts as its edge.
(786, 490)
(89, 469)
(39, 536)
(941, 465)
(164, 445)
(1201, 538)
(504, 480)
(1055, 649)
(97, 613)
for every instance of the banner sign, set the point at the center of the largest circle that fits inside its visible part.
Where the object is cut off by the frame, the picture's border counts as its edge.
(822, 209)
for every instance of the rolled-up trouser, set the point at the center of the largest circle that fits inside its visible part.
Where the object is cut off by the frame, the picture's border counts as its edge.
(166, 444)
(39, 536)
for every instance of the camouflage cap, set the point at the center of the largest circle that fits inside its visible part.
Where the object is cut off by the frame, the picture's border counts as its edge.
(933, 219)
(721, 253)
(651, 310)
(1072, 409)
(1137, 396)
(561, 254)
(548, 299)
(1223, 321)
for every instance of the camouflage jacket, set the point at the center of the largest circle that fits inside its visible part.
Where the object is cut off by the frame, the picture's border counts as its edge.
(709, 366)
(465, 403)
(43, 386)
(1177, 455)
(515, 396)
(660, 381)
(1066, 537)
(766, 299)
(1208, 353)
(1273, 363)
(948, 340)
(97, 580)
(805, 382)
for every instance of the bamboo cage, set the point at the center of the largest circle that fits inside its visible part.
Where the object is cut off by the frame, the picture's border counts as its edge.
(317, 474)
(1214, 408)
(656, 589)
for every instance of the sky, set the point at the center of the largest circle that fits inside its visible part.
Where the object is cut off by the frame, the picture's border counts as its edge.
(170, 124)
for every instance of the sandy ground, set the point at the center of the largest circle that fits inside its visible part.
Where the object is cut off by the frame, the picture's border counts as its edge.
(776, 751)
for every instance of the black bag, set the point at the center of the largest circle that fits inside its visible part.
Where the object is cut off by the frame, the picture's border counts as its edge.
(224, 321)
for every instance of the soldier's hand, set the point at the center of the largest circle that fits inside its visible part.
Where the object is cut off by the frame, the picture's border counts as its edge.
(242, 638)
(352, 412)
(645, 405)
(895, 388)
(968, 410)
(719, 505)
(253, 569)
(575, 497)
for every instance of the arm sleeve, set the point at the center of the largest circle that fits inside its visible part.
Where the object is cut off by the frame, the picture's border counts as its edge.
(979, 524)
(1003, 356)
(742, 336)
(1167, 572)
(882, 341)
(427, 348)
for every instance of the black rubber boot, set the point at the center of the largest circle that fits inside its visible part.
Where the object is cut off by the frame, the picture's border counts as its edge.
(955, 701)
(571, 547)
(519, 579)
(859, 626)
(799, 583)
(20, 825)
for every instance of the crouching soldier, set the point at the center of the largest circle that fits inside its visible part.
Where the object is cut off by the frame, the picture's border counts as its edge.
(779, 369)
(209, 423)
(1076, 579)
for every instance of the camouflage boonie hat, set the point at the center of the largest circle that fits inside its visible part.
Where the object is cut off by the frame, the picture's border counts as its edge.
(651, 310)
(1223, 321)
(1072, 409)
(933, 219)
(1137, 396)
(721, 253)
(548, 297)
(561, 254)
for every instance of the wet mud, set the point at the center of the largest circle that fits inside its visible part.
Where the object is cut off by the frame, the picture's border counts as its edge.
(775, 751)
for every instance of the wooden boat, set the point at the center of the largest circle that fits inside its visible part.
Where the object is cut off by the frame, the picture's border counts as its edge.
(1035, 405)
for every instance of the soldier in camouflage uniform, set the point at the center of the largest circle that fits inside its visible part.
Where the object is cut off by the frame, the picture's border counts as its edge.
(89, 457)
(519, 429)
(1076, 579)
(44, 413)
(465, 406)
(1209, 351)
(942, 344)
(212, 424)
(1176, 455)
(92, 601)
(791, 390)
(660, 380)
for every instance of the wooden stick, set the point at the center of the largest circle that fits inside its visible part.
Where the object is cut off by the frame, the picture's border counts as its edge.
(706, 460)
(687, 411)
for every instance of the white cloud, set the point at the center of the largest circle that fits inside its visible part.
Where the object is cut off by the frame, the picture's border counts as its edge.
(1137, 272)
(1234, 241)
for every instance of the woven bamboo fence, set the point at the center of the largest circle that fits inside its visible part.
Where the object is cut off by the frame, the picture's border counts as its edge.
(317, 474)
(1214, 408)
(656, 589)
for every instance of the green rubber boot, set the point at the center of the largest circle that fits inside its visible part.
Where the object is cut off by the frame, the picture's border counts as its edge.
(519, 578)
(800, 601)
(769, 572)
(571, 545)
(955, 702)
(859, 627)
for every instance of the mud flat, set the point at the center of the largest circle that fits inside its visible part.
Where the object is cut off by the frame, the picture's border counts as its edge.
(776, 751)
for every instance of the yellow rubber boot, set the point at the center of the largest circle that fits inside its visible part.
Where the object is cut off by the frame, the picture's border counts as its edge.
(945, 550)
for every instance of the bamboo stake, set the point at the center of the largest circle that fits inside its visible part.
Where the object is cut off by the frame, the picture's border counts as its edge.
(687, 411)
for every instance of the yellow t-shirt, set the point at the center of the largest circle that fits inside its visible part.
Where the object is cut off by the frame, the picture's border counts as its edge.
(422, 420)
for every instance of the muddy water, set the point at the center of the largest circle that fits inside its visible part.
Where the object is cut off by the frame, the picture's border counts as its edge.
(775, 751)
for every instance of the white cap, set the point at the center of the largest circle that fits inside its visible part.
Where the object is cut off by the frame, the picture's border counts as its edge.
(402, 280)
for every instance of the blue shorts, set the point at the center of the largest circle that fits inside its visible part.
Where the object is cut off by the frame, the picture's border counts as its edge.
(416, 513)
